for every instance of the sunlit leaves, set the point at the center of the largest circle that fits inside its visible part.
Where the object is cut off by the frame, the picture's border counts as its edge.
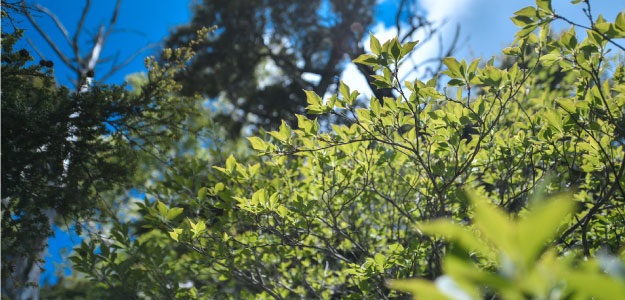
(197, 228)
(544, 5)
(373, 189)
(529, 12)
(374, 44)
(283, 134)
(257, 143)
(315, 103)
(175, 233)
(366, 59)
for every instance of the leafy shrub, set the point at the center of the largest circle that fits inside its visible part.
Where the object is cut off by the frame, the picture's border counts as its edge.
(336, 210)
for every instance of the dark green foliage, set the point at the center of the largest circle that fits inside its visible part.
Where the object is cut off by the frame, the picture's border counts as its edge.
(55, 151)
(63, 151)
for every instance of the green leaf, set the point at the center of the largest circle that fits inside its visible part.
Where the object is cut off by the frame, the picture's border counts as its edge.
(569, 40)
(455, 82)
(620, 21)
(366, 59)
(231, 163)
(526, 31)
(174, 212)
(273, 200)
(541, 225)
(175, 233)
(379, 259)
(201, 194)
(380, 84)
(419, 288)
(283, 134)
(494, 224)
(375, 106)
(529, 12)
(257, 143)
(544, 33)
(549, 59)
(601, 25)
(285, 131)
(363, 114)
(521, 21)
(567, 105)
(554, 118)
(457, 233)
(304, 123)
(197, 228)
(374, 44)
(162, 208)
(473, 66)
(512, 51)
(407, 48)
(395, 49)
(453, 65)
(260, 197)
(344, 90)
(544, 5)
(597, 286)
(312, 98)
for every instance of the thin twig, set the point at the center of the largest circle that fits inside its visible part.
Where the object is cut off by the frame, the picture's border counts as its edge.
(56, 21)
(116, 68)
(56, 49)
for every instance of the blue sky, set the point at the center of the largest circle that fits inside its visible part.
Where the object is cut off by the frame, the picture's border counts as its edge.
(139, 23)
(485, 25)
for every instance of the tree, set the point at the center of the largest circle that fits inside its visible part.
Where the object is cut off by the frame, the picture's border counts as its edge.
(63, 152)
(260, 55)
(335, 213)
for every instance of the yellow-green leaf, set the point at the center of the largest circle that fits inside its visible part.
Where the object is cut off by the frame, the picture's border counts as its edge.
(257, 143)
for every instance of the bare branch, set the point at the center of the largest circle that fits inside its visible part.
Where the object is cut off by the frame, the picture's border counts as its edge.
(30, 42)
(56, 49)
(400, 10)
(127, 61)
(72, 80)
(56, 21)
(113, 19)
(81, 22)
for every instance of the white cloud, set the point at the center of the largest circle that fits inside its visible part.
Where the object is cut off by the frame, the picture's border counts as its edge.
(438, 10)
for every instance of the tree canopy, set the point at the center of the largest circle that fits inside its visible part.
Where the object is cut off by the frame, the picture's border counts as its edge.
(406, 188)
(489, 181)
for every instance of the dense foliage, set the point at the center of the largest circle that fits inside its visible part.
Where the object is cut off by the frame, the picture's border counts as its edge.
(336, 211)
(70, 156)
(508, 183)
